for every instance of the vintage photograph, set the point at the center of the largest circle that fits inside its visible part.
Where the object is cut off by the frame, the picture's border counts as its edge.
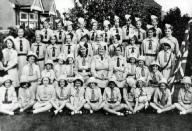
(95, 65)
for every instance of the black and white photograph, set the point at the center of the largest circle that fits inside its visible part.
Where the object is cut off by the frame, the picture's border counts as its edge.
(95, 65)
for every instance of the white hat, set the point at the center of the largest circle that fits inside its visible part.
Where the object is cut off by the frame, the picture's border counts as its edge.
(149, 26)
(70, 56)
(69, 23)
(106, 23)
(81, 20)
(58, 20)
(7, 77)
(141, 58)
(141, 79)
(49, 61)
(163, 80)
(11, 38)
(92, 80)
(99, 33)
(62, 77)
(79, 77)
(153, 17)
(127, 16)
(61, 56)
(23, 79)
(93, 21)
(133, 55)
(137, 19)
(112, 79)
(116, 18)
(31, 54)
(186, 80)
(155, 63)
(131, 82)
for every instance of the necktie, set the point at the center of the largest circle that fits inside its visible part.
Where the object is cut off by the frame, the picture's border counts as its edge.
(165, 57)
(127, 32)
(117, 31)
(21, 45)
(155, 33)
(37, 51)
(112, 95)
(139, 35)
(30, 70)
(141, 92)
(60, 35)
(154, 78)
(61, 93)
(53, 54)
(102, 58)
(83, 61)
(93, 36)
(45, 34)
(77, 93)
(118, 62)
(105, 36)
(6, 95)
(163, 100)
(132, 51)
(69, 49)
(150, 44)
(132, 69)
(142, 72)
(92, 95)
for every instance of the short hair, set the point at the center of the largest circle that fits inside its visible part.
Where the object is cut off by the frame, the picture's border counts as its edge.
(118, 37)
(22, 84)
(59, 83)
(13, 46)
(52, 37)
(43, 79)
(41, 36)
(78, 80)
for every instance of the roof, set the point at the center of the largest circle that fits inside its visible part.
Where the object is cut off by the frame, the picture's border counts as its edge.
(22, 2)
(47, 4)
(152, 3)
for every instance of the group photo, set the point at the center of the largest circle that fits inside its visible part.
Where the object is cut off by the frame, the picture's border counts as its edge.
(95, 65)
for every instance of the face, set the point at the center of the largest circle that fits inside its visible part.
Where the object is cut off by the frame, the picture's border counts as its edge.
(128, 22)
(186, 86)
(141, 63)
(59, 26)
(9, 44)
(7, 83)
(140, 84)
(154, 22)
(138, 24)
(31, 59)
(132, 60)
(162, 86)
(166, 47)
(111, 84)
(53, 40)
(132, 41)
(83, 50)
(60, 61)
(20, 33)
(150, 33)
(118, 51)
(106, 28)
(117, 23)
(84, 39)
(115, 39)
(94, 27)
(155, 68)
(62, 83)
(92, 85)
(77, 83)
(101, 50)
(70, 60)
(99, 38)
(45, 81)
(38, 38)
(69, 28)
(68, 39)
(168, 32)
(48, 66)
(45, 24)
(81, 25)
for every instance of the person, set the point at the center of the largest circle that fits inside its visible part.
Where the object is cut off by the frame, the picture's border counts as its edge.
(116, 42)
(60, 33)
(101, 67)
(171, 40)
(26, 96)
(8, 97)
(112, 98)
(32, 71)
(142, 95)
(77, 99)
(128, 29)
(185, 97)
(81, 30)
(2, 72)
(132, 48)
(119, 67)
(83, 61)
(93, 96)
(45, 96)
(69, 47)
(158, 32)
(53, 50)
(71, 32)
(139, 32)
(10, 57)
(162, 101)
(142, 70)
(96, 44)
(93, 32)
(106, 33)
(22, 47)
(116, 29)
(150, 46)
(48, 71)
(46, 31)
(40, 49)
(131, 68)
(166, 59)
(63, 93)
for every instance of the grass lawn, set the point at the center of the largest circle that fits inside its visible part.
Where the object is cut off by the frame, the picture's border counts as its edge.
(98, 121)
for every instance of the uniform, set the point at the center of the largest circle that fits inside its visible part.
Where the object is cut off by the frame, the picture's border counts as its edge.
(62, 94)
(50, 73)
(102, 69)
(129, 96)
(185, 96)
(69, 49)
(79, 33)
(158, 33)
(149, 49)
(90, 49)
(130, 49)
(115, 31)
(71, 71)
(141, 35)
(93, 95)
(143, 95)
(112, 50)
(126, 34)
(59, 70)
(47, 33)
(107, 37)
(93, 36)
(22, 47)
(60, 37)
(40, 50)
(131, 70)
(120, 70)
(95, 46)
(73, 34)
(11, 61)
(145, 73)
(52, 52)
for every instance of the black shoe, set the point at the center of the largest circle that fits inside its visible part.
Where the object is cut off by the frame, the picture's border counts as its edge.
(29, 111)
(16, 113)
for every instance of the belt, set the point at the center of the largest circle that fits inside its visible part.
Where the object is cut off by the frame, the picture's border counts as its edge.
(40, 59)
(86, 70)
(59, 42)
(111, 102)
(20, 54)
(62, 98)
(93, 101)
(153, 55)
(7, 102)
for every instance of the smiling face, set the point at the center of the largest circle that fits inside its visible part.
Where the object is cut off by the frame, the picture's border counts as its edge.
(7, 83)
(118, 51)
(77, 83)
(62, 83)
(168, 32)
(31, 60)
(69, 28)
(70, 60)
(141, 63)
(59, 26)
(155, 68)
(60, 61)
(132, 60)
(150, 33)
(101, 50)
(94, 27)
(53, 40)
(9, 44)
(162, 86)
(106, 28)
(138, 24)
(20, 33)
(45, 81)
(99, 38)
(140, 84)
(68, 39)
(48, 66)
(112, 84)
(83, 50)
(38, 38)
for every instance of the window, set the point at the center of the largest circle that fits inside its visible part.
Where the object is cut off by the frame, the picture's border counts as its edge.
(31, 16)
(23, 16)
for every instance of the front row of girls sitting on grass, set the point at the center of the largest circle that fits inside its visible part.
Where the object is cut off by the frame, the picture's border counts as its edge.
(88, 97)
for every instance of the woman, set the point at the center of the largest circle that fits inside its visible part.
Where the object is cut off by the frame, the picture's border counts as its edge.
(10, 57)
(102, 67)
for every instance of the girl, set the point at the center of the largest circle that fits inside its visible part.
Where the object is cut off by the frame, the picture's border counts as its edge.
(10, 57)
(71, 32)
(39, 48)
(48, 71)
(8, 98)
(77, 100)
(112, 98)
(162, 98)
(142, 95)
(45, 96)
(132, 48)
(81, 30)
(92, 33)
(93, 96)
(26, 96)
(53, 50)
(158, 31)
(63, 93)
(107, 33)
(46, 31)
